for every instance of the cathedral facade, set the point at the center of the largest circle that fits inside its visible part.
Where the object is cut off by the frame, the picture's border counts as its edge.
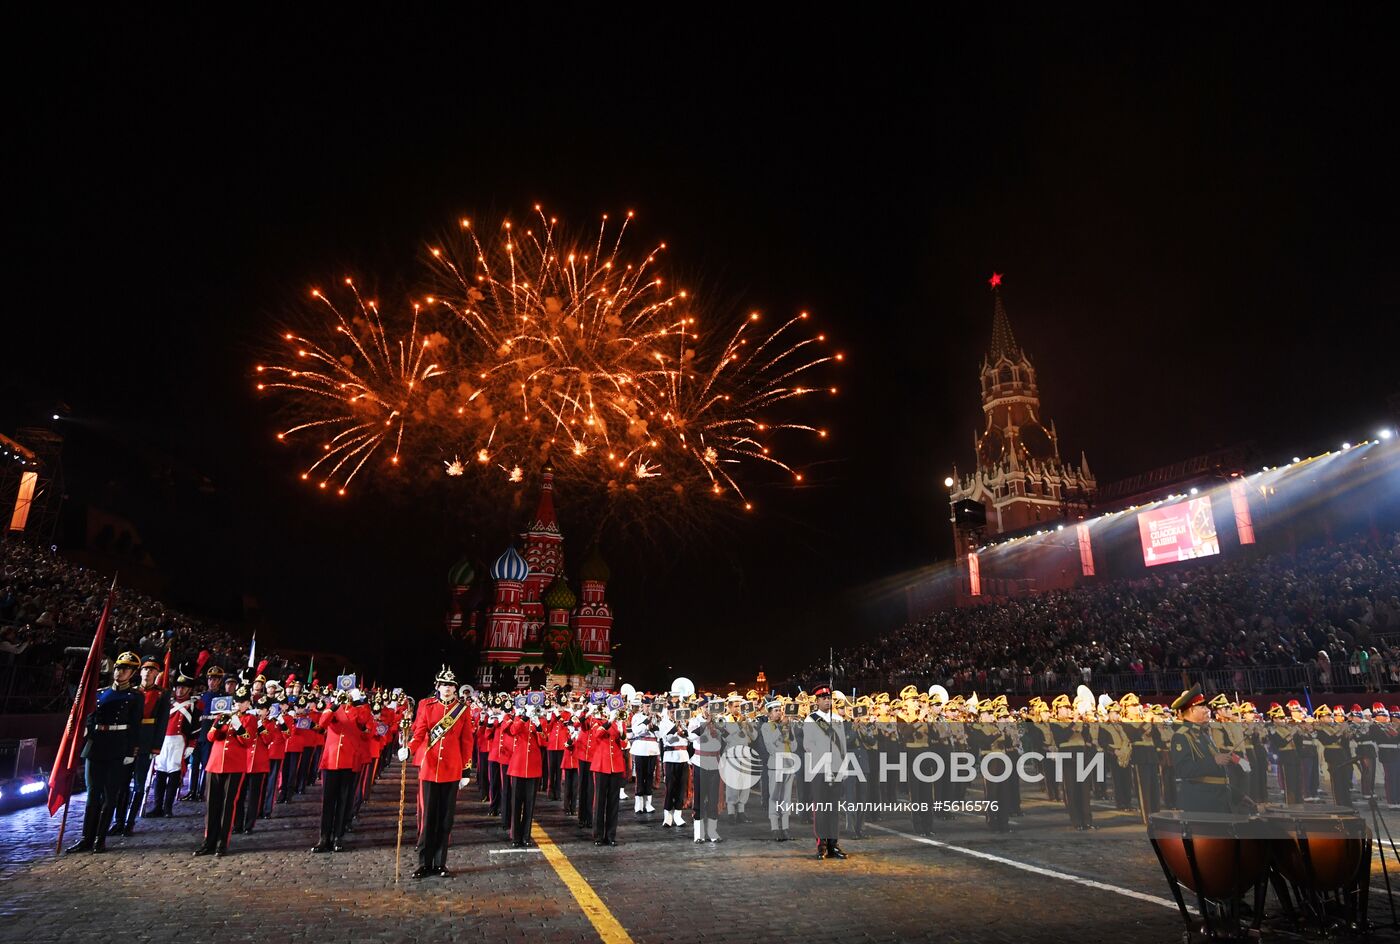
(535, 628)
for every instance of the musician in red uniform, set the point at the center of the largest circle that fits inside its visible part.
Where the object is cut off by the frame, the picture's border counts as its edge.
(526, 768)
(505, 746)
(583, 750)
(441, 746)
(608, 764)
(264, 735)
(227, 768)
(343, 729)
(557, 735)
(569, 763)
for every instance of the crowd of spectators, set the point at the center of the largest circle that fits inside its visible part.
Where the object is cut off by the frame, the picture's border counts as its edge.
(49, 610)
(1335, 608)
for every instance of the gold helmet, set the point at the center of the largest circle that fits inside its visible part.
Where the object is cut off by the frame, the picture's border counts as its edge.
(1128, 700)
(909, 691)
(127, 660)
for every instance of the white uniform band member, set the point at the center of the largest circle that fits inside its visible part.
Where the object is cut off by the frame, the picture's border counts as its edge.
(780, 742)
(824, 742)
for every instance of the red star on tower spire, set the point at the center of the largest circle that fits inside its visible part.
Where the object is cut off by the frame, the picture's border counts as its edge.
(995, 280)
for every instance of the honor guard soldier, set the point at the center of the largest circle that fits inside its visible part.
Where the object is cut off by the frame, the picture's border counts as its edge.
(231, 738)
(112, 730)
(181, 729)
(1199, 764)
(441, 746)
(824, 741)
(155, 708)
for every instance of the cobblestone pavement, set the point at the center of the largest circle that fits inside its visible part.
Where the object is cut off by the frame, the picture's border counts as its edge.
(1033, 884)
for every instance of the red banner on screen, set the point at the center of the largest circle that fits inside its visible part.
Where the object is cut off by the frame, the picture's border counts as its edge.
(1178, 532)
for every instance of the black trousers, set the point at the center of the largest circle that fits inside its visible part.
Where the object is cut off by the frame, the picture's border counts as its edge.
(522, 806)
(198, 759)
(605, 793)
(291, 773)
(167, 787)
(437, 808)
(493, 773)
(1077, 795)
(506, 789)
(223, 793)
(1291, 773)
(250, 802)
(269, 792)
(133, 796)
(570, 790)
(706, 803)
(585, 793)
(337, 790)
(921, 804)
(646, 774)
(677, 775)
(1123, 792)
(554, 773)
(483, 769)
(105, 781)
(826, 823)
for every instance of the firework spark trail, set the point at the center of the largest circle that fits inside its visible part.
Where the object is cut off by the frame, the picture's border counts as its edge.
(572, 354)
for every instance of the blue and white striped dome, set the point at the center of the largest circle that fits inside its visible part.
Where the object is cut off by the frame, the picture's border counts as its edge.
(510, 566)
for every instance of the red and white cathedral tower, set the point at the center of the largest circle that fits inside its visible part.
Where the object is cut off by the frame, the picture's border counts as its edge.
(593, 617)
(544, 554)
(535, 623)
(1020, 480)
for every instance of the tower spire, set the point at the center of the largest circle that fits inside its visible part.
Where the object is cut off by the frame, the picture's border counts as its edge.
(1003, 341)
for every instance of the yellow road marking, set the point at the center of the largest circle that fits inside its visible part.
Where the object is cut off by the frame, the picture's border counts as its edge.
(607, 926)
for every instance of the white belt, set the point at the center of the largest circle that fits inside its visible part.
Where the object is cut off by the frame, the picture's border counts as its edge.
(110, 727)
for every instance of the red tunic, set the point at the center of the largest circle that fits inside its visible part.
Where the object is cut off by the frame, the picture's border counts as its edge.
(606, 756)
(525, 758)
(450, 757)
(342, 734)
(260, 744)
(229, 755)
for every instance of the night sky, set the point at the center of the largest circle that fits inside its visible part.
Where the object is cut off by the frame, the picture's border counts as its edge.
(1194, 221)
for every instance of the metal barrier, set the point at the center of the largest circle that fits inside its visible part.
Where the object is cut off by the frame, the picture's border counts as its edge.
(1230, 680)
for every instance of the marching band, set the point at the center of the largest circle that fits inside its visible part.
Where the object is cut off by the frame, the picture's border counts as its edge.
(820, 758)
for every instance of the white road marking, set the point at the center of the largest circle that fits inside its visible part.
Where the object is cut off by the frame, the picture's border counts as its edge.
(1035, 869)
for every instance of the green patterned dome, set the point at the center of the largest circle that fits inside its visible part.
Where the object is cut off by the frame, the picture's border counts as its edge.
(594, 568)
(462, 573)
(558, 596)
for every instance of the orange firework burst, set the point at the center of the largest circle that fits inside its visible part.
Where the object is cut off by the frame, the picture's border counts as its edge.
(574, 354)
(359, 389)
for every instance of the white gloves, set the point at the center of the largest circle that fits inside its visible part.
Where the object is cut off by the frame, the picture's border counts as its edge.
(236, 723)
(356, 694)
(612, 714)
(465, 781)
(189, 751)
(403, 754)
(128, 760)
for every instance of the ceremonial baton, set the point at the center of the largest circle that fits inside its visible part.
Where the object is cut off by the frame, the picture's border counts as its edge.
(403, 792)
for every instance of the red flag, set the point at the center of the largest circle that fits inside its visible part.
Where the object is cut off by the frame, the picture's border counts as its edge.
(70, 749)
(165, 673)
